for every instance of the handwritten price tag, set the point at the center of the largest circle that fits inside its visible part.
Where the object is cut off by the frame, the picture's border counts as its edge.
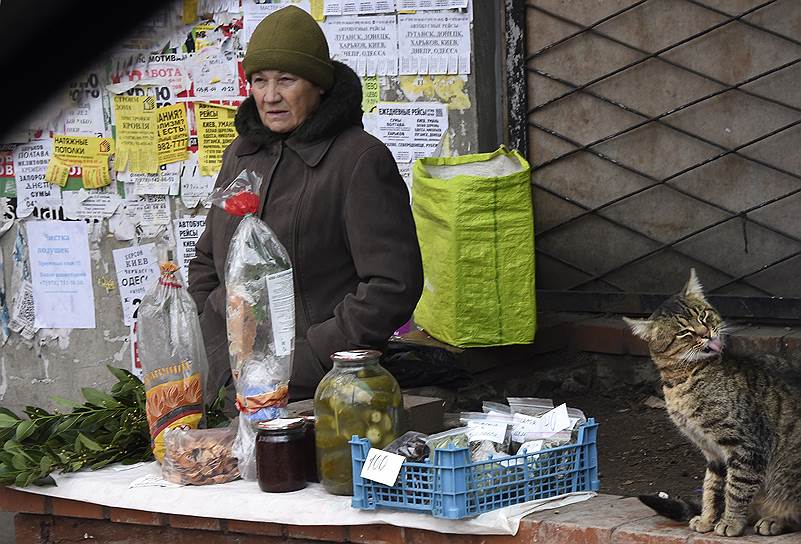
(382, 467)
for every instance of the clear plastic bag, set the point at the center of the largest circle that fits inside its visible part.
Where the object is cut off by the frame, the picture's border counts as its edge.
(490, 434)
(452, 437)
(529, 406)
(411, 445)
(495, 408)
(174, 366)
(199, 456)
(260, 316)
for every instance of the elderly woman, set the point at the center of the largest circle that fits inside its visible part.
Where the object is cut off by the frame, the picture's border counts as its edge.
(331, 193)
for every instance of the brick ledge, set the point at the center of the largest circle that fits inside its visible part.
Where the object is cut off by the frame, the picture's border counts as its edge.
(606, 519)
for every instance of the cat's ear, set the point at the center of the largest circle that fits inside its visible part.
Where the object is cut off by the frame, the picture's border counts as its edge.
(642, 328)
(693, 287)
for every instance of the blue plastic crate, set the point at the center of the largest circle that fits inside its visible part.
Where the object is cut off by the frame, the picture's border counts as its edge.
(454, 487)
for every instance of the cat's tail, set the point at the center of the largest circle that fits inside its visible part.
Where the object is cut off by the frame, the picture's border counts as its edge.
(675, 509)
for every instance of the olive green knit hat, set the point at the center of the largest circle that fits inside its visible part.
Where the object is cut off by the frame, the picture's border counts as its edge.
(290, 40)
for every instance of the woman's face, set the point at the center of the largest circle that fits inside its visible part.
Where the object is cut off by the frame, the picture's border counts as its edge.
(284, 100)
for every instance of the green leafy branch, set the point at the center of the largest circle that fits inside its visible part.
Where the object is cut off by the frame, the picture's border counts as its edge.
(107, 428)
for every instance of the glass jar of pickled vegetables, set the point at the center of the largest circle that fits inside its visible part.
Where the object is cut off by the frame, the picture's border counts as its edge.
(357, 397)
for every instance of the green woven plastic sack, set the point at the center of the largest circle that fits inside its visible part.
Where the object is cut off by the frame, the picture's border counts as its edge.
(475, 225)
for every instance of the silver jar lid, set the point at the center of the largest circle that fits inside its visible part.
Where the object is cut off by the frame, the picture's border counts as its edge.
(281, 424)
(355, 355)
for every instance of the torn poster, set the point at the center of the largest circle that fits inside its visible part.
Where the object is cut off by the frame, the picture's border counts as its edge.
(92, 205)
(86, 116)
(30, 165)
(195, 188)
(215, 131)
(8, 188)
(137, 268)
(165, 72)
(214, 73)
(422, 5)
(22, 311)
(369, 45)
(256, 10)
(5, 331)
(150, 209)
(61, 274)
(167, 181)
(173, 133)
(411, 130)
(434, 43)
(137, 133)
(89, 152)
(187, 232)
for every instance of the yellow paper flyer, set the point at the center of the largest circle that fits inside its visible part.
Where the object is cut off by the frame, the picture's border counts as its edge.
(137, 134)
(215, 131)
(173, 134)
(88, 152)
(371, 93)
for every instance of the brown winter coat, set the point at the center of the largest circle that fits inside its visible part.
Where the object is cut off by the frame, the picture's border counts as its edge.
(333, 195)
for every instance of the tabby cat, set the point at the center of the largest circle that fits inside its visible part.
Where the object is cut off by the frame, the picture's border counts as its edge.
(744, 413)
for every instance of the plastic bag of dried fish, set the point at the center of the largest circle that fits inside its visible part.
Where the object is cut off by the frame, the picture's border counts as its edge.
(199, 456)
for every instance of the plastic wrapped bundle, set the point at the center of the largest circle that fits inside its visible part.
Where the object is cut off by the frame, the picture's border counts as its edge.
(173, 358)
(260, 316)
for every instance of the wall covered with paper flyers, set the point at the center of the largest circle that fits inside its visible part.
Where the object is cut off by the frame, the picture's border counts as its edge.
(112, 175)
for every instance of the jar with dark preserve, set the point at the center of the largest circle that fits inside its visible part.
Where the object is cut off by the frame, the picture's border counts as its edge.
(311, 453)
(357, 397)
(281, 455)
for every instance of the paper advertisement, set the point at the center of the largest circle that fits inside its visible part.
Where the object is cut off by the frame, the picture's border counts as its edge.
(8, 187)
(173, 134)
(256, 10)
(137, 134)
(411, 130)
(137, 268)
(61, 274)
(165, 182)
(187, 232)
(92, 205)
(214, 73)
(86, 116)
(215, 131)
(30, 165)
(369, 45)
(22, 311)
(195, 188)
(91, 153)
(434, 43)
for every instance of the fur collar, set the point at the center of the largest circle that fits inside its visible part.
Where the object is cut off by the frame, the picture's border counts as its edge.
(340, 108)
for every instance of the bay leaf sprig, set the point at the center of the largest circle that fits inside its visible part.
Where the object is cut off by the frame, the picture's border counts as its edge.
(107, 428)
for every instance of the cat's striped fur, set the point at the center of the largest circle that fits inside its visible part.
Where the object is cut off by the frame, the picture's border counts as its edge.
(744, 413)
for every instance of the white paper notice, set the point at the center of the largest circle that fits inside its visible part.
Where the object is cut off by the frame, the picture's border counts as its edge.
(434, 43)
(256, 10)
(411, 130)
(166, 181)
(371, 41)
(422, 5)
(152, 209)
(381, 466)
(214, 73)
(332, 7)
(86, 116)
(195, 188)
(493, 431)
(137, 268)
(93, 204)
(30, 165)
(61, 274)
(187, 231)
(282, 310)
